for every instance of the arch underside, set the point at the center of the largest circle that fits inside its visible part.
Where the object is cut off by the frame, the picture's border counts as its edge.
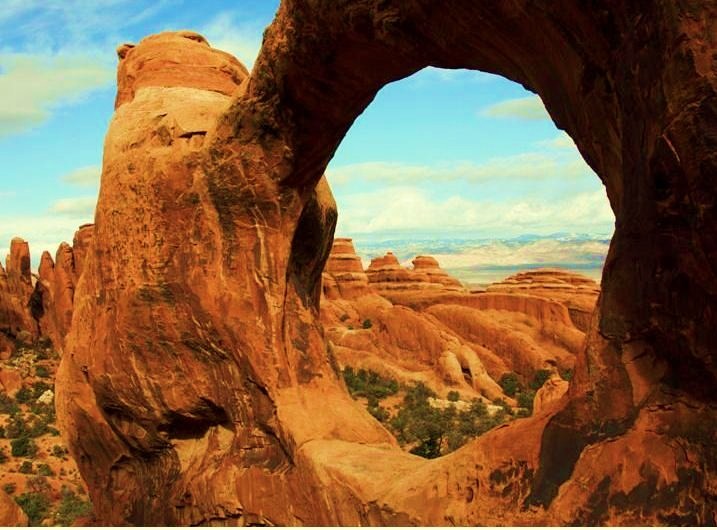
(632, 84)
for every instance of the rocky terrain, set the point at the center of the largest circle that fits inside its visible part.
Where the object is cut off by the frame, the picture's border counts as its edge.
(196, 383)
(423, 379)
(40, 481)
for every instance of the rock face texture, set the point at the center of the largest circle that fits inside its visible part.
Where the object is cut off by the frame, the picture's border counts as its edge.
(421, 325)
(32, 306)
(10, 512)
(56, 286)
(343, 275)
(388, 277)
(195, 381)
(577, 292)
(16, 287)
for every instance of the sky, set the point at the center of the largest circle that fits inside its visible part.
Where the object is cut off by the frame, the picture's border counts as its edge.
(443, 154)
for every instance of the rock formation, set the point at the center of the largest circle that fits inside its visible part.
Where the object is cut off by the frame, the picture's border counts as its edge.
(577, 292)
(16, 286)
(388, 277)
(196, 386)
(55, 288)
(10, 512)
(343, 275)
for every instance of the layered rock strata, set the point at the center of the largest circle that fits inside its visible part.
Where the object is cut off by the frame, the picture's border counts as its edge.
(343, 275)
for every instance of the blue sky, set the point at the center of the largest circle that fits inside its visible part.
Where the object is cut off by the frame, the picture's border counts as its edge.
(441, 154)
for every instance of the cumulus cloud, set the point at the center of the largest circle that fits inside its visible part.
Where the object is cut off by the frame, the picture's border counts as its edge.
(75, 206)
(32, 85)
(83, 176)
(413, 210)
(561, 141)
(240, 39)
(522, 166)
(527, 108)
(42, 232)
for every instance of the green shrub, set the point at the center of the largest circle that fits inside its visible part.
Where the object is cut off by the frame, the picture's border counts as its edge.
(42, 371)
(23, 395)
(9, 488)
(16, 428)
(26, 468)
(8, 405)
(367, 324)
(369, 384)
(39, 388)
(509, 383)
(380, 413)
(566, 374)
(453, 396)
(478, 408)
(58, 451)
(23, 446)
(3, 456)
(525, 399)
(539, 379)
(71, 508)
(35, 505)
(45, 470)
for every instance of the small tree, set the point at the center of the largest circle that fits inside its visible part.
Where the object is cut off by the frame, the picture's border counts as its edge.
(26, 468)
(509, 383)
(71, 508)
(539, 379)
(23, 446)
(35, 505)
(23, 395)
(45, 470)
(453, 395)
(367, 324)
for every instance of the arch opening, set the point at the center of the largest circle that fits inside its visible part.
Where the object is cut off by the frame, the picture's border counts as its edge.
(464, 270)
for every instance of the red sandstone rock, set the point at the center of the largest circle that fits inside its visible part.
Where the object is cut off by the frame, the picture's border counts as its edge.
(343, 275)
(389, 278)
(207, 259)
(176, 59)
(16, 314)
(10, 512)
(577, 292)
(549, 394)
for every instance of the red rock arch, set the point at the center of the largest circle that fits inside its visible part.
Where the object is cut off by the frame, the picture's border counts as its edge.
(195, 366)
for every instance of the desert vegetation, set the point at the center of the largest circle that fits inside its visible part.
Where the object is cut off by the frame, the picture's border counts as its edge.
(426, 425)
(35, 469)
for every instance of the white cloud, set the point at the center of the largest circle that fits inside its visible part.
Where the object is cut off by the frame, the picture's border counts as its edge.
(561, 141)
(523, 166)
(445, 75)
(527, 108)
(243, 40)
(412, 210)
(75, 206)
(42, 232)
(32, 85)
(83, 176)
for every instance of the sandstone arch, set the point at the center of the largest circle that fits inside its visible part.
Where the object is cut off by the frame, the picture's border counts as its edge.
(195, 367)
